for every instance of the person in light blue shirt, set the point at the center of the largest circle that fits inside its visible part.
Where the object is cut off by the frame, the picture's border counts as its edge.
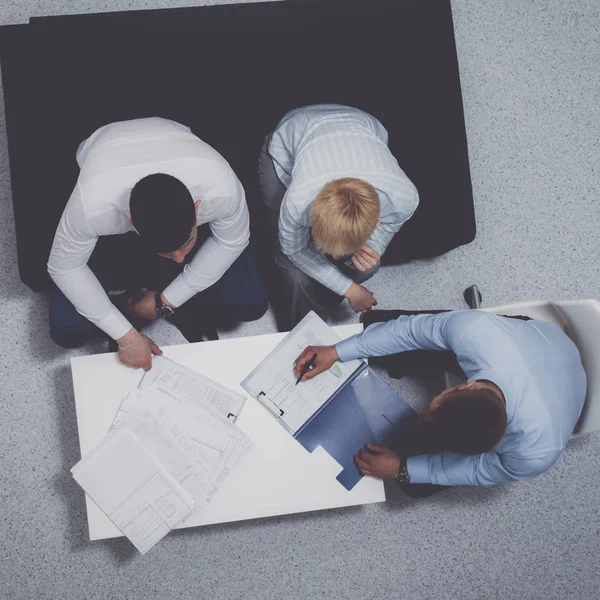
(524, 393)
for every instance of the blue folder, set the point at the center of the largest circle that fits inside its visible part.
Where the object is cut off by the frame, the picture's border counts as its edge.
(365, 409)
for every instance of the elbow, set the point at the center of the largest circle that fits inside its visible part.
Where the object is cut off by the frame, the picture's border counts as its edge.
(52, 271)
(58, 273)
(527, 471)
(416, 200)
(241, 245)
(286, 251)
(246, 241)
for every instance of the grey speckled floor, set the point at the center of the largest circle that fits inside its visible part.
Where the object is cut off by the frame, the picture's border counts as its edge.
(531, 85)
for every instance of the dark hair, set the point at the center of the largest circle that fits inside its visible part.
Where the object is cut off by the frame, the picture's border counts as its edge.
(162, 211)
(466, 422)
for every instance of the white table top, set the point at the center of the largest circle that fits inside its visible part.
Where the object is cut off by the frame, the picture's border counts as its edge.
(277, 477)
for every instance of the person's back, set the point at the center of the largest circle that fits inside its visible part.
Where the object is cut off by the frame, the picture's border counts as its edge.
(117, 155)
(330, 141)
(539, 370)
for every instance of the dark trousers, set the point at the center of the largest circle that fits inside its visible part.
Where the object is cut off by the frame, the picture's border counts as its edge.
(237, 296)
(416, 362)
(294, 293)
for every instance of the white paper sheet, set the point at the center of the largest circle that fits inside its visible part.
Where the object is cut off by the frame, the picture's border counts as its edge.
(177, 429)
(198, 448)
(274, 378)
(143, 500)
(183, 384)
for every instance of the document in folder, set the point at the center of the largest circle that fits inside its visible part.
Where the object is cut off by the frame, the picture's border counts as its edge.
(341, 410)
(273, 382)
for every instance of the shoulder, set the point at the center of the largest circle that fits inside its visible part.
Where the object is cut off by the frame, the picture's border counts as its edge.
(461, 322)
(210, 171)
(296, 207)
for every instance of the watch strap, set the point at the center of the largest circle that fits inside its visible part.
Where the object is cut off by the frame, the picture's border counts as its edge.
(402, 476)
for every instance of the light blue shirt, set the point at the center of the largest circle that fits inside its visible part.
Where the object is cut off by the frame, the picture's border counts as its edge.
(534, 363)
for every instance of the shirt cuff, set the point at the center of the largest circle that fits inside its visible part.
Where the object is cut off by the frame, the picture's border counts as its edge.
(348, 349)
(341, 285)
(178, 293)
(114, 324)
(418, 468)
(378, 247)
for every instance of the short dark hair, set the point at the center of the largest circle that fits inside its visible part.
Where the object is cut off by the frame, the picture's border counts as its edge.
(468, 422)
(162, 212)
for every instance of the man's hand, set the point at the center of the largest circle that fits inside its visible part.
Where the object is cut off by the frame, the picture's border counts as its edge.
(140, 355)
(360, 298)
(326, 356)
(143, 305)
(365, 258)
(377, 461)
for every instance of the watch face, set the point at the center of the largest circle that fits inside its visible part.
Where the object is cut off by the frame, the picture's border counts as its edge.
(402, 475)
(166, 311)
(162, 310)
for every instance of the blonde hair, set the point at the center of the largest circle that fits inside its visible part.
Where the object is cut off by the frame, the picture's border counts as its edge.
(344, 214)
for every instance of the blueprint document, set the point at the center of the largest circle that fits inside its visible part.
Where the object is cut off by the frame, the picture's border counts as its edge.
(198, 447)
(273, 382)
(186, 385)
(170, 446)
(141, 497)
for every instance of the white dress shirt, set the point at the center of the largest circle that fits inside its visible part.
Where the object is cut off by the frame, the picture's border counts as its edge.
(534, 363)
(314, 145)
(112, 160)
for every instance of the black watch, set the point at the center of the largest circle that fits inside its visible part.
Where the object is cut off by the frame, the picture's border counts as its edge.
(162, 310)
(402, 475)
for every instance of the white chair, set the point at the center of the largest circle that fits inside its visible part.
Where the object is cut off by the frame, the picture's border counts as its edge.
(580, 319)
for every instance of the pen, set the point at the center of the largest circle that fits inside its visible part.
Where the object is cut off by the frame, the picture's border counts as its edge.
(307, 367)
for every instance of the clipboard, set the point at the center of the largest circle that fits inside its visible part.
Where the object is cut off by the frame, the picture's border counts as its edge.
(362, 409)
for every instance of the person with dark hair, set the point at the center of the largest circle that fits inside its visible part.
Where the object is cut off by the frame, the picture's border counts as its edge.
(511, 420)
(190, 262)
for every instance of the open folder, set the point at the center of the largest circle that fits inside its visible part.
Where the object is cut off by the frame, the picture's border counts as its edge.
(341, 410)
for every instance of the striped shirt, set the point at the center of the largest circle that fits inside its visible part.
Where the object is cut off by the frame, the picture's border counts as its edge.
(314, 145)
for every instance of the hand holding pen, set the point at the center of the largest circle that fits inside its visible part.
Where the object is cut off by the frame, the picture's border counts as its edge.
(321, 358)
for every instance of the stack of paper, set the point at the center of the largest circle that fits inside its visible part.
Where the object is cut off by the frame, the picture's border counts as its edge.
(171, 444)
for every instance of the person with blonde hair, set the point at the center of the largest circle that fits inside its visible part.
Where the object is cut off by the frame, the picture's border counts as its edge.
(335, 198)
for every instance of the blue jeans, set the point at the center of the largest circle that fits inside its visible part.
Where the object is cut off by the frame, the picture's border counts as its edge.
(237, 296)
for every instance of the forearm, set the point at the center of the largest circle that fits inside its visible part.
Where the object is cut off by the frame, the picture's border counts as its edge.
(382, 235)
(416, 332)
(490, 468)
(315, 265)
(208, 266)
(83, 290)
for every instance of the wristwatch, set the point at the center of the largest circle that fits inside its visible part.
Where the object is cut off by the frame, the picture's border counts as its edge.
(162, 310)
(402, 475)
